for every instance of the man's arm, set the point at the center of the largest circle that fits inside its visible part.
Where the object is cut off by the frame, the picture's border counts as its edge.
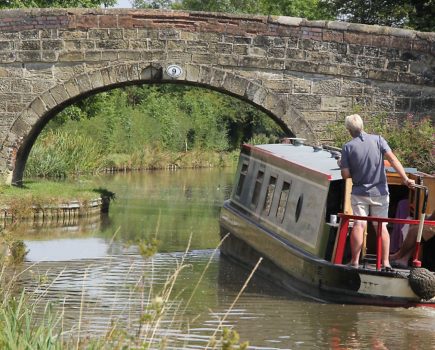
(345, 173)
(395, 163)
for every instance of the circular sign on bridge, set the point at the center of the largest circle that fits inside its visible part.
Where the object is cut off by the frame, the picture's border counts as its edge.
(174, 71)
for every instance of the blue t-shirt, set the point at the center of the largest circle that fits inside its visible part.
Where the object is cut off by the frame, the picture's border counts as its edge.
(364, 157)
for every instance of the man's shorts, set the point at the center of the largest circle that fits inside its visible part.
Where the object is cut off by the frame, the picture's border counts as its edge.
(370, 206)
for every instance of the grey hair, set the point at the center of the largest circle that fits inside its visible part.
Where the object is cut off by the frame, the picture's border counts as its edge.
(354, 124)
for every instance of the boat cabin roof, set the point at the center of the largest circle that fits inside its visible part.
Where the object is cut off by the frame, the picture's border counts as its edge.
(314, 158)
(310, 157)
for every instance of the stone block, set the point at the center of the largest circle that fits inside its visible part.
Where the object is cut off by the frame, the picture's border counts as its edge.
(279, 86)
(319, 116)
(221, 48)
(59, 93)
(15, 107)
(192, 73)
(83, 83)
(336, 103)
(275, 64)
(235, 84)
(349, 87)
(228, 60)
(120, 73)
(241, 50)
(29, 34)
(402, 104)
(156, 45)
(217, 78)
(28, 56)
(72, 88)
(306, 102)
(96, 79)
(49, 56)
(383, 75)
(276, 52)
(129, 55)
(71, 34)
(169, 34)
(21, 128)
(257, 51)
(95, 56)
(352, 71)
(109, 55)
(72, 56)
(204, 58)
(301, 86)
(177, 45)
(327, 86)
(29, 117)
(276, 103)
(38, 107)
(112, 44)
(52, 44)
(5, 86)
(49, 100)
(255, 91)
(253, 62)
(178, 57)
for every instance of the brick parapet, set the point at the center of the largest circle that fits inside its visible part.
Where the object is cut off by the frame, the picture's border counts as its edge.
(351, 33)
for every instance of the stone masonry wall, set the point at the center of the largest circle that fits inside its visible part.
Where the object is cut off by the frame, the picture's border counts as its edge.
(304, 74)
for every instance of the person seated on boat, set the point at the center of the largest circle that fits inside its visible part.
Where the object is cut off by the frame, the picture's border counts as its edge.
(401, 257)
(362, 160)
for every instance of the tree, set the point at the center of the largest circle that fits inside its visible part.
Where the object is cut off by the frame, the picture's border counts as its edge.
(416, 14)
(297, 8)
(152, 4)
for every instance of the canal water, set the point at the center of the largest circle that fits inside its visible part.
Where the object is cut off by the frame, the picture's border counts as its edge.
(98, 275)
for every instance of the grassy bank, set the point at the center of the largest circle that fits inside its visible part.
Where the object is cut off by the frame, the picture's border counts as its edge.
(20, 201)
(41, 192)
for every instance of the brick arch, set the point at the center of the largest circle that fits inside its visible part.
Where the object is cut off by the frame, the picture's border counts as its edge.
(31, 122)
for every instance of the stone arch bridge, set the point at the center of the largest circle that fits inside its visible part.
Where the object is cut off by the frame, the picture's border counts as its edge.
(304, 74)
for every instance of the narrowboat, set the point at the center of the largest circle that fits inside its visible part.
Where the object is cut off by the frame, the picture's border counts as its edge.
(291, 207)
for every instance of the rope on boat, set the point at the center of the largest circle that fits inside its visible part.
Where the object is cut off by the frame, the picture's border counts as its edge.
(422, 282)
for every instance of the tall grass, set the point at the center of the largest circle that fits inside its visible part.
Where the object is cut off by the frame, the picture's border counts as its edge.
(61, 152)
(27, 323)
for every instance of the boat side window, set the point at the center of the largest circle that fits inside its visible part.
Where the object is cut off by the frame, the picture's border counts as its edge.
(242, 177)
(283, 198)
(269, 195)
(257, 188)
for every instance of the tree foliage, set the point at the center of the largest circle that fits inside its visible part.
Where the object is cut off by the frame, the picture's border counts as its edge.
(411, 140)
(296, 8)
(416, 14)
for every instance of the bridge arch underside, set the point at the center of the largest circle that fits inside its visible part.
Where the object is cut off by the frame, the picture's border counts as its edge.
(303, 74)
(31, 122)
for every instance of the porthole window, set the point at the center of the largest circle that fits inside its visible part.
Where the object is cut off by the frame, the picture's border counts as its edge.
(299, 207)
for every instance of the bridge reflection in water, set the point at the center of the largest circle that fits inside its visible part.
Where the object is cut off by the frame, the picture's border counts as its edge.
(104, 280)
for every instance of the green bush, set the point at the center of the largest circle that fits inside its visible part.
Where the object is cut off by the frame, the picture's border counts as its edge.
(411, 140)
